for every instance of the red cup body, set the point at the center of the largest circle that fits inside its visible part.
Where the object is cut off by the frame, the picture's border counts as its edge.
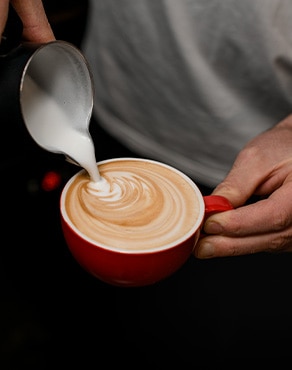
(132, 268)
(128, 269)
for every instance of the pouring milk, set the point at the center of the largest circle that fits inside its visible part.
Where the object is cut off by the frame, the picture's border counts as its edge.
(56, 133)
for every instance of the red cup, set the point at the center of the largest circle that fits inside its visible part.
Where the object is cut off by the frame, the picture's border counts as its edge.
(132, 268)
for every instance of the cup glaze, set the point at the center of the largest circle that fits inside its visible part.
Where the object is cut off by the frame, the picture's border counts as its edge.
(137, 267)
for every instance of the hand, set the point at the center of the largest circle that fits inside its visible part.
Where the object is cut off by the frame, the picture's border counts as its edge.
(263, 168)
(36, 26)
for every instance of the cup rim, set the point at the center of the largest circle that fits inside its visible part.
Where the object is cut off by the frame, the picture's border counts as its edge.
(167, 246)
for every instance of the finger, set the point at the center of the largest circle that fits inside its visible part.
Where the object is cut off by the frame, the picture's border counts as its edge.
(265, 216)
(36, 26)
(223, 246)
(4, 5)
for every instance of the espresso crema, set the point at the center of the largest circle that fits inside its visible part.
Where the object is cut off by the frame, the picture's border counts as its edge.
(139, 205)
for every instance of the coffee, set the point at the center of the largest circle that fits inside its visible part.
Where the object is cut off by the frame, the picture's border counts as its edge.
(140, 205)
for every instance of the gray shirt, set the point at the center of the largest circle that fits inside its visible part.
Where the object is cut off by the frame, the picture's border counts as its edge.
(189, 82)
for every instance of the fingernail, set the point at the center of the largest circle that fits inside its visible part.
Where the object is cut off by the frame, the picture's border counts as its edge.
(212, 227)
(205, 250)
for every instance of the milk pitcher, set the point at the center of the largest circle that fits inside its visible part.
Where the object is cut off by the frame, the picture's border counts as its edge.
(58, 68)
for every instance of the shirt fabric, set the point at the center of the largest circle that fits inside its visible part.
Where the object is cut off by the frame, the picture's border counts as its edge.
(190, 82)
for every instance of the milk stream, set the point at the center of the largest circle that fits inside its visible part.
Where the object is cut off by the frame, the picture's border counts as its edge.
(49, 125)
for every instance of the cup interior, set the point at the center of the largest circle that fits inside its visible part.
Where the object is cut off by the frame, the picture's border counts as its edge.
(196, 222)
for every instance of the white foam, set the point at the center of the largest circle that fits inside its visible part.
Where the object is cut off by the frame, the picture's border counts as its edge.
(134, 206)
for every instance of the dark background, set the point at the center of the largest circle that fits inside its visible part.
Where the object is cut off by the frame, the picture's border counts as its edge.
(209, 315)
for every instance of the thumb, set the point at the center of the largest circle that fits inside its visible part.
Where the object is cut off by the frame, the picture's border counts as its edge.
(36, 26)
(240, 183)
(3, 14)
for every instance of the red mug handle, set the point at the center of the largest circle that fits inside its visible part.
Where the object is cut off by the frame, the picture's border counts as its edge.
(216, 203)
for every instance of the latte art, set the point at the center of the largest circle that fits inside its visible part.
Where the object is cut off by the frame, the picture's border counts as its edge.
(137, 205)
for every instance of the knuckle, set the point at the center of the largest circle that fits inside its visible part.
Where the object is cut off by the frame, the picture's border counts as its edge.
(282, 242)
(250, 153)
(281, 220)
